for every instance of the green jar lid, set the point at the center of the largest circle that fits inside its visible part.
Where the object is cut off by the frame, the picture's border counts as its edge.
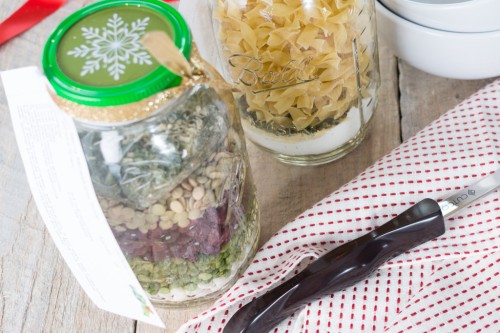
(95, 57)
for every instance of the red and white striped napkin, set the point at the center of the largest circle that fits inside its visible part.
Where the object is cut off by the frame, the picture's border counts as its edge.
(450, 284)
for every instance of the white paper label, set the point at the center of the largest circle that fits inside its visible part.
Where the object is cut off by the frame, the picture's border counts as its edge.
(62, 189)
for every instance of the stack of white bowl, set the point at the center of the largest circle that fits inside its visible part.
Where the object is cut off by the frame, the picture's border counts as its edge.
(458, 39)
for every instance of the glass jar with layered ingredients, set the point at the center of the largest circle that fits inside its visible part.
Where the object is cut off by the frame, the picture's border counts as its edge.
(305, 73)
(165, 152)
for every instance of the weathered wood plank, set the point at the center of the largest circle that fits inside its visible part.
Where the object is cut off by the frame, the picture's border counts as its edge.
(425, 97)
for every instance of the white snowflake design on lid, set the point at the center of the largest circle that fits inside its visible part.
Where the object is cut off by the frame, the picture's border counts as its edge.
(113, 47)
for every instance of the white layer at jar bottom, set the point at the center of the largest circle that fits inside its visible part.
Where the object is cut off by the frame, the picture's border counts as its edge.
(204, 289)
(313, 144)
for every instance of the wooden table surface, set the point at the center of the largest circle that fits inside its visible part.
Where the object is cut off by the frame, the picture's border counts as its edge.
(38, 292)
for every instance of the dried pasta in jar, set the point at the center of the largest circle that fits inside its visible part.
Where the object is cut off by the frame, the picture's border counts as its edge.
(305, 73)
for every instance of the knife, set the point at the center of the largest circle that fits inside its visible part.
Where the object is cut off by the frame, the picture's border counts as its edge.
(354, 261)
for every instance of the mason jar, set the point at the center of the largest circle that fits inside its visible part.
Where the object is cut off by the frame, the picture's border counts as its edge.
(165, 153)
(305, 73)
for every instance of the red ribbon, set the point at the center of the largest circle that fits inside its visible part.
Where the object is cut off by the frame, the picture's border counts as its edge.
(32, 12)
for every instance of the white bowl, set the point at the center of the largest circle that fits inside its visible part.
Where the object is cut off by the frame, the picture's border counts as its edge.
(461, 16)
(448, 54)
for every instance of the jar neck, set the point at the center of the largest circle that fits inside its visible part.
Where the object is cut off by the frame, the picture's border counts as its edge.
(122, 115)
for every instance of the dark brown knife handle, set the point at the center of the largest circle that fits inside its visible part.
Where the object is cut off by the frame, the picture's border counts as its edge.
(340, 268)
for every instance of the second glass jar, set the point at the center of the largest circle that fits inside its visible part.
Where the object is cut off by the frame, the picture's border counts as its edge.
(305, 71)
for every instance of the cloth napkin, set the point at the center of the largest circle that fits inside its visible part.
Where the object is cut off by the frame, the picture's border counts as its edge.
(450, 284)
